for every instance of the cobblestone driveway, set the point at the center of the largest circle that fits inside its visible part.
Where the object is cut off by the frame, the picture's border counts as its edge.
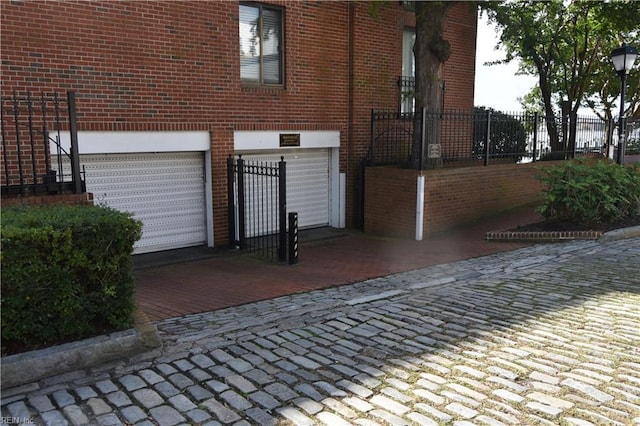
(548, 334)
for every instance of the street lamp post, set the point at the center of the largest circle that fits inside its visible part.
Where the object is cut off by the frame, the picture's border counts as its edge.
(623, 59)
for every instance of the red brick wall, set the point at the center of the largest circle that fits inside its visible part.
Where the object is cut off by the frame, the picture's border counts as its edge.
(41, 200)
(459, 195)
(390, 202)
(452, 197)
(174, 65)
(459, 70)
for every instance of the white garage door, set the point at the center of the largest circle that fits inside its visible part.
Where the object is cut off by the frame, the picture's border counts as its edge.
(307, 183)
(163, 190)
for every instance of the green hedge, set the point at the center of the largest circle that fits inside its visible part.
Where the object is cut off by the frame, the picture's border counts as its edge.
(588, 192)
(66, 274)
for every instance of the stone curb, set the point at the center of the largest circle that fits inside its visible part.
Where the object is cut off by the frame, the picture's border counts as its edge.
(621, 234)
(32, 366)
(509, 236)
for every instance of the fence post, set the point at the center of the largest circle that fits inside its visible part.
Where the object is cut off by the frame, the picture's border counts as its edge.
(487, 147)
(282, 210)
(231, 212)
(75, 153)
(293, 238)
(241, 217)
(16, 118)
(535, 135)
(372, 159)
(423, 138)
(34, 166)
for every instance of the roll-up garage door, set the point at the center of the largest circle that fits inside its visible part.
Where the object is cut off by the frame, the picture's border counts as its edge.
(307, 183)
(163, 190)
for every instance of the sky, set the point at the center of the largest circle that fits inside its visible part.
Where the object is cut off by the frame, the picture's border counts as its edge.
(497, 86)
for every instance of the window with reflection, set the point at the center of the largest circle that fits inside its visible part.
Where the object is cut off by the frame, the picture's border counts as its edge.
(261, 38)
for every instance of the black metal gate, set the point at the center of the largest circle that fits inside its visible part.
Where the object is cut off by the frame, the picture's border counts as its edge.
(257, 216)
(29, 125)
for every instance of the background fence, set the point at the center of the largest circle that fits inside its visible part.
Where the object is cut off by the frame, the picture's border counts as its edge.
(31, 126)
(455, 138)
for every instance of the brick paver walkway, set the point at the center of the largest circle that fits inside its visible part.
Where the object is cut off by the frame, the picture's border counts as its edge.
(547, 334)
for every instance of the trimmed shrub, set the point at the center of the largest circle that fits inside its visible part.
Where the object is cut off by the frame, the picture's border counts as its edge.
(589, 192)
(66, 273)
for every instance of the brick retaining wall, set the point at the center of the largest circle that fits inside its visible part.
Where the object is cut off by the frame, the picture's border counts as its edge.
(452, 197)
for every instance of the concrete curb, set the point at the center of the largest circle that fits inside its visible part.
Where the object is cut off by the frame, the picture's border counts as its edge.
(32, 366)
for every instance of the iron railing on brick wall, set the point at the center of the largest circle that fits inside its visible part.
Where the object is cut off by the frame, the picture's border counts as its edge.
(454, 138)
(31, 126)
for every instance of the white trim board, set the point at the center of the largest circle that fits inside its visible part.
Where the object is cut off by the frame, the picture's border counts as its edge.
(258, 140)
(113, 142)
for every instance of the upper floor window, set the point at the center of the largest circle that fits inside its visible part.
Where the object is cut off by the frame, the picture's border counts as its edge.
(261, 53)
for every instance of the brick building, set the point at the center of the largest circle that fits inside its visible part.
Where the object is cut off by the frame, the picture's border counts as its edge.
(166, 91)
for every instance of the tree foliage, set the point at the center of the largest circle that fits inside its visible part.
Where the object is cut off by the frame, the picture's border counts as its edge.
(567, 45)
(507, 134)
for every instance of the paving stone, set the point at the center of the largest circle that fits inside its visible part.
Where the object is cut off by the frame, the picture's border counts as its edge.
(202, 361)
(118, 399)
(166, 389)
(198, 393)
(261, 417)
(295, 416)
(331, 419)
(389, 404)
(182, 403)
(52, 418)
(460, 410)
(217, 386)
(264, 399)
(355, 388)
(19, 410)
(508, 395)
(41, 403)
(235, 400)
(183, 365)
(329, 389)
(108, 420)
(198, 416)
(148, 398)
(550, 400)
(239, 365)
(280, 391)
(180, 381)
(308, 405)
(387, 417)
(421, 419)
(429, 396)
(588, 390)
(133, 414)
(310, 391)
(358, 404)
(222, 413)
(339, 408)
(131, 382)
(166, 415)
(85, 392)
(63, 398)
(543, 408)
(257, 376)
(98, 406)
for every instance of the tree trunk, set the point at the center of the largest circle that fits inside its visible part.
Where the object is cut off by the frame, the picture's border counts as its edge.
(552, 128)
(431, 51)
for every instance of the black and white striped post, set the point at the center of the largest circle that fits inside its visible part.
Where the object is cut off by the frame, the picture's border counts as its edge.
(293, 238)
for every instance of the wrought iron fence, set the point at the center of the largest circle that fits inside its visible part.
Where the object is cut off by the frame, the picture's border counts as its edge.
(30, 130)
(258, 207)
(454, 138)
